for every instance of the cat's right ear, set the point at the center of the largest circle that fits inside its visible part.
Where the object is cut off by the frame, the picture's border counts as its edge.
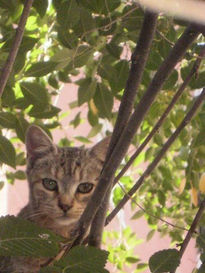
(38, 142)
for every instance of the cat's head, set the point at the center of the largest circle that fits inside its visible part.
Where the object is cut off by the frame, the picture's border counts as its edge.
(61, 180)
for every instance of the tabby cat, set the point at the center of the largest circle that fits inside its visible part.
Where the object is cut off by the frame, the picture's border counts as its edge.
(61, 181)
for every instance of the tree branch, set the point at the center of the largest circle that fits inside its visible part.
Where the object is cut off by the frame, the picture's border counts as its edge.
(157, 159)
(15, 46)
(177, 52)
(139, 59)
(164, 115)
(192, 229)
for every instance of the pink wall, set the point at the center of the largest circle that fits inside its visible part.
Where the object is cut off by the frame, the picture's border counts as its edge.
(18, 196)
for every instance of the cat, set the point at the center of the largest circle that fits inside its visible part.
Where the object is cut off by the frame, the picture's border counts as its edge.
(61, 182)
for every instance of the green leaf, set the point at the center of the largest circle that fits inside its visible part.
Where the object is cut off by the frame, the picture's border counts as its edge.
(35, 93)
(164, 261)
(122, 71)
(1, 185)
(132, 260)
(7, 120)
(95, 130)
(20, 237)
(8, 97)
(41, 6)
(200, 140)
(20, 175)
(138, 214)
(21, 126)
(150, 235)
(171, 81)
(86, 90)
(68, 14)
(40, 69)
(80, 259)
(83, 139)
(81, 57)
(104, 101)
(49, 111)
(7, 152)
(26, 44)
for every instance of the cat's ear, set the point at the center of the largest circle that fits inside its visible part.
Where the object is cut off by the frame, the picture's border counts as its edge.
(100, 149)
(38, 142)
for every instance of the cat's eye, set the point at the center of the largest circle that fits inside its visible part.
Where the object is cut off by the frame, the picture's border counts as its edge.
(50, 184)
(85, 187)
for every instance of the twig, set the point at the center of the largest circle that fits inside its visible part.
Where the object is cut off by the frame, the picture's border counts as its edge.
(164, 115)
(151, 215)
(139, 59)
(157, 159)
(192, 229)
(177, 52)
(15, 46)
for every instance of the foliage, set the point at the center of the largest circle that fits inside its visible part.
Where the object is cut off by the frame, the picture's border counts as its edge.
(64, 39)
(164, 261)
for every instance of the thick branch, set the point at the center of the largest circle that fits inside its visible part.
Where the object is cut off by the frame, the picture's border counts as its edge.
(157, 159)
(164, 115)
(15, 46)
(139, 59)
(192, 229)
(121, 147)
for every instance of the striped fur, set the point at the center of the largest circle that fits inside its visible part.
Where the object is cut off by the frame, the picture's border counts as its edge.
(69, 167)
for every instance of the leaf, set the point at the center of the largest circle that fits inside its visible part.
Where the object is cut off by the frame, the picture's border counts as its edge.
(138, 214)
(26, 44)
(48, 112)
(83, 139)
(104, 101)
(200, 140)
(8, 96)
(41, 6)
(20, 237)
(20, 175)
(164, 261)
(7, 120)
(194, 196)
(171, 81)
(132, 260)
(84, 259)
(7, 152)
(21, 126)
(150, 235)
(1, 185)
(95, 130)
(68, 14)
(202, 183)
(86, 90)
(40, 69)
(35, 93)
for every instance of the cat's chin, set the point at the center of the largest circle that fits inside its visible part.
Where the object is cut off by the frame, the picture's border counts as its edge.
(65, 221)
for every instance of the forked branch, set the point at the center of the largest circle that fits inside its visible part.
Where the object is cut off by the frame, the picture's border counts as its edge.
(157, 159)
(139, 59)
(177, 52)
(164, 115)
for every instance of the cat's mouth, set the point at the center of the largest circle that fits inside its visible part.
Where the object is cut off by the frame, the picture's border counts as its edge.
(65, 220)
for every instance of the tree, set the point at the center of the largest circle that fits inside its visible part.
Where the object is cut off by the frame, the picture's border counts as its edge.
(95, 41)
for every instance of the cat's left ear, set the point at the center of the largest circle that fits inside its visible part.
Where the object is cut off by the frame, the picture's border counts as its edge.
(100, 149)
(38, 142)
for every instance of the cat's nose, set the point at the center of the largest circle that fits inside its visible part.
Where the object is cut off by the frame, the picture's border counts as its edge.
(64, 207)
